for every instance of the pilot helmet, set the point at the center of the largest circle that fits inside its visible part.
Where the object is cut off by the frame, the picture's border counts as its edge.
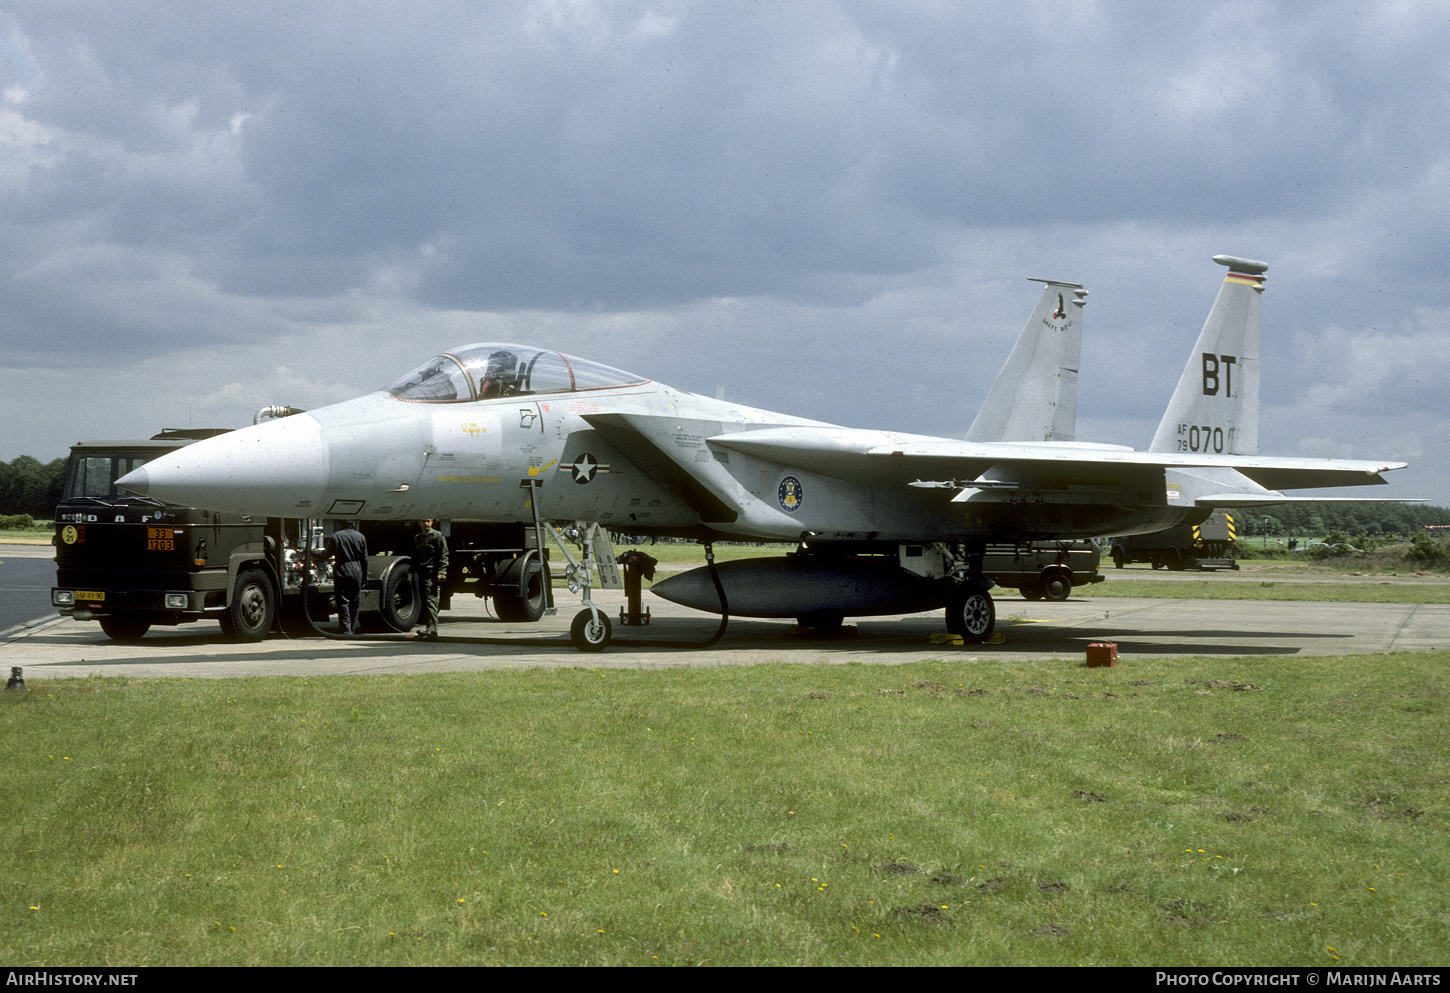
(502, 375)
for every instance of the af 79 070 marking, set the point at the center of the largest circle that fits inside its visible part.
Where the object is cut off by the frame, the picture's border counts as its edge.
(1204, 438)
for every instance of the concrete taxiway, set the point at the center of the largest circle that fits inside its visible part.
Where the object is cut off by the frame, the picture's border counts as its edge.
(472, 639)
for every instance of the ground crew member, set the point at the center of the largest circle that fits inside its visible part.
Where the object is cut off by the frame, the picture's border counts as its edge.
(350, 568)
(430, 565)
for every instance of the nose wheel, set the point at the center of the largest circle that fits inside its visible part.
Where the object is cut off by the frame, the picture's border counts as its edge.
(590, 631)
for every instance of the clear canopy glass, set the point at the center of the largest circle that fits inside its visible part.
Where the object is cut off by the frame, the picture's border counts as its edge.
(493, 369)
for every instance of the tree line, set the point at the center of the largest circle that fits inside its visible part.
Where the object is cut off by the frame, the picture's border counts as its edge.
(1318, 519)
(29, 486)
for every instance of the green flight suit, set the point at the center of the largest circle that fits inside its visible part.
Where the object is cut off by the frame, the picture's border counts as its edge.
(430, 565)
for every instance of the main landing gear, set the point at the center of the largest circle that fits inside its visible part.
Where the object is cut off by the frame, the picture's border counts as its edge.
(971, 611)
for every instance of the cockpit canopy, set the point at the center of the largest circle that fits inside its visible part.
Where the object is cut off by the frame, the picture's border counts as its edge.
(492, 369)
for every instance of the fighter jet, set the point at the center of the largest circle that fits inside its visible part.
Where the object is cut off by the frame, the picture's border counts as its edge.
(884, 522)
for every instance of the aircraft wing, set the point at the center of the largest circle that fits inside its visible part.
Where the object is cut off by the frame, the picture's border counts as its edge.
(1244, 501)
(884, 457)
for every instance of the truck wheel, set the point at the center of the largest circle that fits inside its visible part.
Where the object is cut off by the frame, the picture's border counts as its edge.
(1173, 559)
(1057, 587)
(1118, 559)
(400, 604)
(528, 605)
(122, 627)
(1031, 592)
(971, 614)
(254, 606)
(590, 631)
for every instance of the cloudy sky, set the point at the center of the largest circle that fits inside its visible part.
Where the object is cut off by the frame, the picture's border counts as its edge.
(823, 207)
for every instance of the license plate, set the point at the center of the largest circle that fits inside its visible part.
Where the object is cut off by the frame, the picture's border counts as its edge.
(159, 540)
(90, 595)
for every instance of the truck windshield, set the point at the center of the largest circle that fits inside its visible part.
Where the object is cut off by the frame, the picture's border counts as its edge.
(93, 474)
(490, 370)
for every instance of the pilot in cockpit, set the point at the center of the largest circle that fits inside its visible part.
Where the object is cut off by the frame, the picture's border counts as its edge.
(501, 379)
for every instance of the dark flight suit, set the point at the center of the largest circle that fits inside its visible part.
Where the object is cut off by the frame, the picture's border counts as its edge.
(430, 565)
(349, 571)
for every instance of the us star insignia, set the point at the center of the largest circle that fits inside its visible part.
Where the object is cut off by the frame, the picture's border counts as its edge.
(584, 468)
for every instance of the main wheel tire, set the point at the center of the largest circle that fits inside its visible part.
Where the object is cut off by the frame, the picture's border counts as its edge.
(1030, 592)
(125, 628)
(253, 608)
(972, 614)
(1057, 587)
(529, 604)
(590, 631)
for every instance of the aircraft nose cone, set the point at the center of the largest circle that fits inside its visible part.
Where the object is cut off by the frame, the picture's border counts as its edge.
(137, 481)
(276, 469)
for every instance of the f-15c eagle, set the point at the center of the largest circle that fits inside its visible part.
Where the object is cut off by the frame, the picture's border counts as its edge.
(884, 522)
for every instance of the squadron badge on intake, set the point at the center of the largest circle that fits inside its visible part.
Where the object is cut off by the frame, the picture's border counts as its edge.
(789, 493)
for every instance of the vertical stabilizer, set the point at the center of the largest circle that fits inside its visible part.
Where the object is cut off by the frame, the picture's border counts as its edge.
(1215, 408)
(1035, 395)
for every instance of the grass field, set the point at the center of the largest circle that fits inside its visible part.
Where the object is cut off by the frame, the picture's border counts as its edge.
(1268, 589)
(29, 536)
(1177, 811)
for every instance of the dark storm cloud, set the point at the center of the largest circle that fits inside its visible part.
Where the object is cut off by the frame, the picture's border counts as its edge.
(719, 191)
(609, 155)
(565, 161)
(1203, 114)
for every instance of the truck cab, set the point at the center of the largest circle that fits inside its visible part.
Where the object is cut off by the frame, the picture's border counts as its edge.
(132, 563)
